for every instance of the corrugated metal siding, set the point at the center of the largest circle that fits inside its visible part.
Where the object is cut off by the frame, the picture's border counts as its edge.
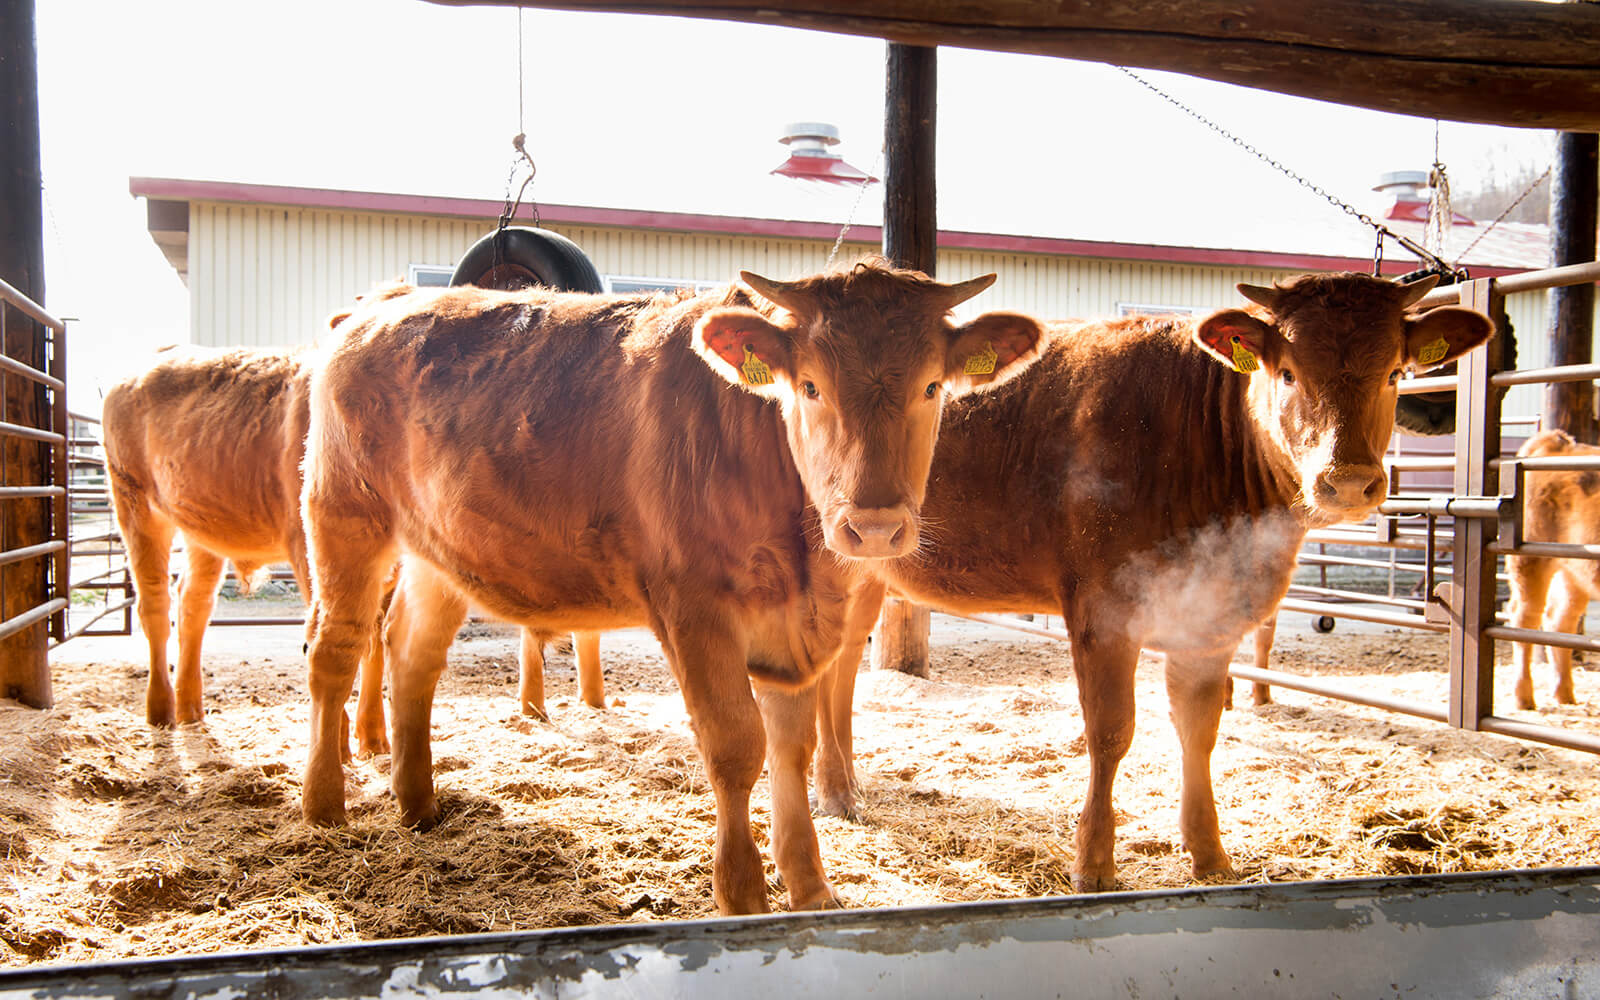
(260, 274)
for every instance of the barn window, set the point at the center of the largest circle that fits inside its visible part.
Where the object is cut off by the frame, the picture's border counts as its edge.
(431, 275)
(626, 285)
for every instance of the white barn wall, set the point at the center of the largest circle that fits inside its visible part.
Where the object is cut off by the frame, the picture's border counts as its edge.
(263, 275)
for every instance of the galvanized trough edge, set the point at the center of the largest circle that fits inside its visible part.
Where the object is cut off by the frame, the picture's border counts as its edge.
(1532, 933)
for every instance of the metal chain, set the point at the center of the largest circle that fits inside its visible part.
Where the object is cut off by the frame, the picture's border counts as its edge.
(850, 219)
(518, 143)
(1382, 230)
(1502, 216)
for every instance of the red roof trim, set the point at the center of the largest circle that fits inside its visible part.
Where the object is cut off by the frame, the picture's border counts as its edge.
(172, 189)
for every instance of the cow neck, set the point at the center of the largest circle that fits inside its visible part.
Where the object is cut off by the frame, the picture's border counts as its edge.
(1259, 476)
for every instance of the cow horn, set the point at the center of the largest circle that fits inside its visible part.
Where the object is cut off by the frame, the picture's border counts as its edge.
(782, 293)
(961, 291)
(1259, 294)
(1414, 291)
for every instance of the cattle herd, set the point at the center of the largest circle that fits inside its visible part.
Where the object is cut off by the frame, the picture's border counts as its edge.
(748, 472)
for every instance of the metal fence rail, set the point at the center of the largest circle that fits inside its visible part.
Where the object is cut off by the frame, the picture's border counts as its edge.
(24, 566)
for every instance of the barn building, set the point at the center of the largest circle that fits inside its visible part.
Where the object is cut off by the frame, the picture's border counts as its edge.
(266, 264)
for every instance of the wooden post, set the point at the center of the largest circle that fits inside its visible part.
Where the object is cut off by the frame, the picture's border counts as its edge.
(24, 671)
(1569, 406)
(910, 239)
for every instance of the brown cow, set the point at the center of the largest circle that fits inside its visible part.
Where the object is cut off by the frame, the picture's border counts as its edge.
(736, 524)
(1138, 483)
(1557, 507)
(209, 443)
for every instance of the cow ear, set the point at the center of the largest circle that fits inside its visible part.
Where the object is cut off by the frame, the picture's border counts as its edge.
(991, 349)
(744, 347)
(1444, 334)
(1234, 337)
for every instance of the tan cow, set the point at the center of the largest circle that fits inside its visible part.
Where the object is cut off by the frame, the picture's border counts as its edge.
(1557, 507)
(530, 662)
(718, 468)
(209, 443)
(1150, 479)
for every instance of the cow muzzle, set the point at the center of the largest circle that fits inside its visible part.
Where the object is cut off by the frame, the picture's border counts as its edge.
(1350, 490)
(873, 532)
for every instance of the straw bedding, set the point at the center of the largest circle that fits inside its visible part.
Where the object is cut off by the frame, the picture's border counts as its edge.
(117, 840)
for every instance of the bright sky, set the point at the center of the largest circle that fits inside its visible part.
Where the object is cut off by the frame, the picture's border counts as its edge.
(406, 96)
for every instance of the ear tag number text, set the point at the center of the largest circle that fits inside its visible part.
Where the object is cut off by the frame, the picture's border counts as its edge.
(754, 370)
(1434, 352)
(983, 362)
(1243, 360)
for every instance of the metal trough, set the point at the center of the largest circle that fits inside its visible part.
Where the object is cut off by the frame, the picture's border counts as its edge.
(1501, 934)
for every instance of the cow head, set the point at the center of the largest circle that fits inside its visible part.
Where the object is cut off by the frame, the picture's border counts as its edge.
(1324, 354)
(861, 362)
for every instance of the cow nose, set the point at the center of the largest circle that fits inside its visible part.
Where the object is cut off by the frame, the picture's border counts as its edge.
(1351, 487)
(876, 532)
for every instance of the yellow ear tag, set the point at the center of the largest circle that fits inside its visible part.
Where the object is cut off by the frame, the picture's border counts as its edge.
(1243, 360)
(983, 362)
(1434, 352)
(754, 370)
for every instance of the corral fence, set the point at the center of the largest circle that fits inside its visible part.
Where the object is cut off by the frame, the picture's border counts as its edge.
(33, 474)
(1452, 538)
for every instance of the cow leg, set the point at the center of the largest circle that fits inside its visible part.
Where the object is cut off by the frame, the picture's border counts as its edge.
(709, 665)
(790, 718)
(148, 538)
(1104, 663)
(591, 680)
(530, 673)
(1567, 605)
(197, 596)
(422, 622)
(1266, 634)
(372, 732)
(837, 787)
(1196, 688)
(1530, 585)
(353, 558)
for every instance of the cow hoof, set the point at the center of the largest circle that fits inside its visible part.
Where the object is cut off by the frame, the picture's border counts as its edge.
(1566, 696)
(1215, 874)
(1093, 883)
(368, 747)
(842, 806)
(421, 818)
(323, 813)
(827, 901)
(535, 712)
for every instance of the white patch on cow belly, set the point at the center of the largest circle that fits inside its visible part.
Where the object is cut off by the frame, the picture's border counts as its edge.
(1205, 592)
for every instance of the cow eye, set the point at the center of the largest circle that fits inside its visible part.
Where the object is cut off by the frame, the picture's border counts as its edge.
(1394, 377)
(810, 389)
(1288, 377)
(932, 390)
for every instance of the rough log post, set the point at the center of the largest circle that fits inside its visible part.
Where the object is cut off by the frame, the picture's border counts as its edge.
(24, 671)
(910, 239)
(1570, 405)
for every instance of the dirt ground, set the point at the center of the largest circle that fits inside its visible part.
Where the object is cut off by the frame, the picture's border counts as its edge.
(121, 841)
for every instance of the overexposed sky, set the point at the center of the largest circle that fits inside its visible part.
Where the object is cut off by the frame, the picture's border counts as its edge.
(635, 111)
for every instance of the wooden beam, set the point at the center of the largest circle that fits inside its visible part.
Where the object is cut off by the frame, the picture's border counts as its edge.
(910, 239)
(1573, 188)
(1501, 62)
(24, 670)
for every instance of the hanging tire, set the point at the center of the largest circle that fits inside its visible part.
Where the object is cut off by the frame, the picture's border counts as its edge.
(527, 257)
(1323, 624)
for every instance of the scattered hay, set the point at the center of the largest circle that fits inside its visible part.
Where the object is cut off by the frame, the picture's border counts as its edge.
(119, 841)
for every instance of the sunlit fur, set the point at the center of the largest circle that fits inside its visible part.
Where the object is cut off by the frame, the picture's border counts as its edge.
(1137, 484)
(578, 462)
(208, 443)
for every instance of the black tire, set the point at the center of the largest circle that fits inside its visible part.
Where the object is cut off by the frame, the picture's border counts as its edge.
(1323, 623)
(527, 257)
